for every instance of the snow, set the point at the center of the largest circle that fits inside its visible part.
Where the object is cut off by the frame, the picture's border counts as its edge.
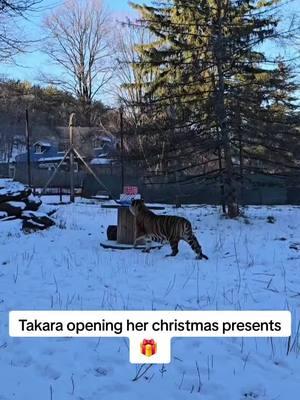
(57, 158)
(101, 161)
(9, 187)
(30, 214)
(35, 223)
(251, 267)
(17, 204)
(42, 143)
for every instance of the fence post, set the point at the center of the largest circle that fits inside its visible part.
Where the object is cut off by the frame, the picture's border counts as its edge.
(71, 125)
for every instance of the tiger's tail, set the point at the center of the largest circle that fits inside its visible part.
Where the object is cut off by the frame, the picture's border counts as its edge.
(191, 239)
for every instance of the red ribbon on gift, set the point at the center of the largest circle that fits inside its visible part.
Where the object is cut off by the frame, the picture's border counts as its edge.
(152, 344)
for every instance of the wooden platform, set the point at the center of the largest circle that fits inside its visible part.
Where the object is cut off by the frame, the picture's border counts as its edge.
(113, 244)
(127, 205)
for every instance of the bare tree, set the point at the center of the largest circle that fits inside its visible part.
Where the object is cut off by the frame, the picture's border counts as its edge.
(12, 42)
(79, 43)
(128, 86)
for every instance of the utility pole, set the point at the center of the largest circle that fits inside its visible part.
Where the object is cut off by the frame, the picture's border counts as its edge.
(122, 147)
(71, 125)
(28, 148)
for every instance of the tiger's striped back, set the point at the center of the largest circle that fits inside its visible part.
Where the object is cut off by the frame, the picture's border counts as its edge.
(167, 228)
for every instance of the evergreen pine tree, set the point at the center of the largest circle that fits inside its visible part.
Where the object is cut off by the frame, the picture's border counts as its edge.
(210, 74)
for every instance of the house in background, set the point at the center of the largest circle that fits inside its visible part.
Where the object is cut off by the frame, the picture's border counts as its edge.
(96, 144)
(47, 154)
(105, 151)
(44, 154)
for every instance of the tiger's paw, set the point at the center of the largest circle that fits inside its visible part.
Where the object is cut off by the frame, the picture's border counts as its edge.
(201, 256)
(146, 251)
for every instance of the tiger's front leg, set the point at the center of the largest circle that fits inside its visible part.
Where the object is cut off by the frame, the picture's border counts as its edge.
(137, 239)
(148, 245)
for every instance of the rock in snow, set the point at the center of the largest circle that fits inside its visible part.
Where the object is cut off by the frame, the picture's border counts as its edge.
(13, 208)
(16, 201)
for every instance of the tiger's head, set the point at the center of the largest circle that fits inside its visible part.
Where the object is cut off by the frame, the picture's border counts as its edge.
(136, 207)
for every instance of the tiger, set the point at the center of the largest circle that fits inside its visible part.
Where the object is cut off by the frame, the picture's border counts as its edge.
(163, 228)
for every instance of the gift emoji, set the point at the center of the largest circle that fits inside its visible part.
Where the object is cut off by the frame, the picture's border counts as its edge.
(148, 347)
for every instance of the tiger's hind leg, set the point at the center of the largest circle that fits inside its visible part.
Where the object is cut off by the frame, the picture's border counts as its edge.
(195, 245)
(174, 247)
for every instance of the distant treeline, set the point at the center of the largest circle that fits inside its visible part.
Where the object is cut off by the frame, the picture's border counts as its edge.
(48, 108)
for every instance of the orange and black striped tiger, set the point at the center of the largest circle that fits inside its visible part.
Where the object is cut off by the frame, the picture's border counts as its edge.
(160, 228)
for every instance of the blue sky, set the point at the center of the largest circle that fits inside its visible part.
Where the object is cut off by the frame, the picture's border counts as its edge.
(29, 65)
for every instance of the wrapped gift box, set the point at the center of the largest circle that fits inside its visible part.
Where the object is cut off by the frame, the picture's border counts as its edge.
(148, 347)
(126, 198)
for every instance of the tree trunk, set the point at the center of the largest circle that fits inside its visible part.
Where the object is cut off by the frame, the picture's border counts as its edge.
(241, 155)
(222, 189)
(231, 201)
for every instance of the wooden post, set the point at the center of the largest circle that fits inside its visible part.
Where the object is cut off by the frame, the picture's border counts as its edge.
(71, 125)
(122, 148)
(28, 148)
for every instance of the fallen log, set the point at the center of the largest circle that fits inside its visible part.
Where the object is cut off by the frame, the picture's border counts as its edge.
(13, 208)
(32, 203)
(33, 221)
(3, 214)
(13, 191)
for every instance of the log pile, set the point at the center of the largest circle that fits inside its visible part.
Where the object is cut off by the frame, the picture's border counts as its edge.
(17, 201)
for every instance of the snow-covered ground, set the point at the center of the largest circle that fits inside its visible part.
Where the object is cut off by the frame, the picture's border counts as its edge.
(250, 266)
